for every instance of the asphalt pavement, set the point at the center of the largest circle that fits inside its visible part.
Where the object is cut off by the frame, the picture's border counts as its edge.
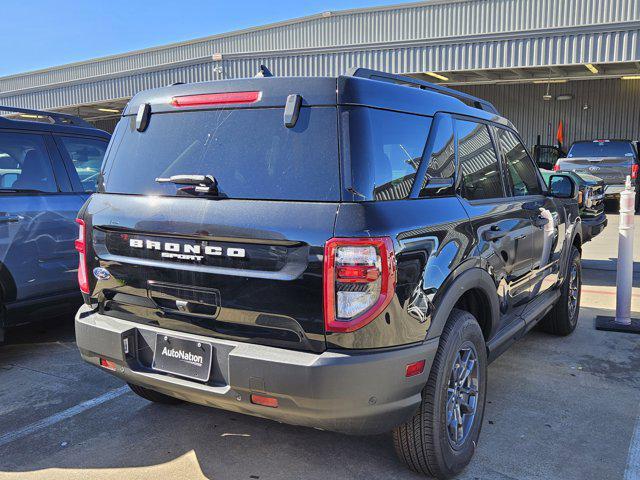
(558, 408)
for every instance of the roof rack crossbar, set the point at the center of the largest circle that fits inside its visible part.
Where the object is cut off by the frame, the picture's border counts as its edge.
(58, 118)
(404, 80)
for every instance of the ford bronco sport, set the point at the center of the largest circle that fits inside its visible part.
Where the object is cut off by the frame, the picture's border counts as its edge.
(341, 253)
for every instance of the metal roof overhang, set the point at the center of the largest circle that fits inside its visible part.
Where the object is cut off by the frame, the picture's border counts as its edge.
(469, 41)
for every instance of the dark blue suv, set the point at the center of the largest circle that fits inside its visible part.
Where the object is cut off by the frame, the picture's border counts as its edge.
(49, 164)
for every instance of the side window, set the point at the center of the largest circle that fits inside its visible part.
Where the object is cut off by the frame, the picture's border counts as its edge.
(385, 151)
(479, 168)
(86, 155)
(440, 173)
(522, 171)
(25, 163)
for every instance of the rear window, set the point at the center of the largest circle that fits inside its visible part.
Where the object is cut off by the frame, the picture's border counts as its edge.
(250, 152)
(601, 148)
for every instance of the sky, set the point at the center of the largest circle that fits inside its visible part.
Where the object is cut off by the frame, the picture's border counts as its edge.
(38, 34)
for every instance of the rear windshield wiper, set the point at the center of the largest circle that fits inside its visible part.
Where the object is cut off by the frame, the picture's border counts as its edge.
(202, 183)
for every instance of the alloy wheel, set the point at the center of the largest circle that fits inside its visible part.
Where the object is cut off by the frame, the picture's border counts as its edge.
(462, 395)
(574, 291)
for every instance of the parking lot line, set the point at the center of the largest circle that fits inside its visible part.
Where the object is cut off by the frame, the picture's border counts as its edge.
(60, 416)
(632, 472)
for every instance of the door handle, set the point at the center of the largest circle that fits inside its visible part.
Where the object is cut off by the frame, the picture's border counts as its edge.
(493, 234)
(10, 218)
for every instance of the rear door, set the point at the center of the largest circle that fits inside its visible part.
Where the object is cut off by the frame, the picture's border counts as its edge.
(547, 222)
(502, 228)
(37, 218)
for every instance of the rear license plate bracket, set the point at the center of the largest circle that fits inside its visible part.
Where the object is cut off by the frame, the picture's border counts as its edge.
(183, 357)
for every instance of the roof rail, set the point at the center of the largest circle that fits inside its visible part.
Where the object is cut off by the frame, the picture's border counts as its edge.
(404, 80)
(57, 118)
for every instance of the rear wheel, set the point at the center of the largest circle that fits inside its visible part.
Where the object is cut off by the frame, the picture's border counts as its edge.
(563, 318)
(441, 438)
(153, 396)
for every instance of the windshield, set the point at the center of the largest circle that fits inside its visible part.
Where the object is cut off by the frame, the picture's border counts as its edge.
(602, 148)
(250, 153)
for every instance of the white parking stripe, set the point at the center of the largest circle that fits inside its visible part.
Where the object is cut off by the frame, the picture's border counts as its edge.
(632, 471)
(58, 417)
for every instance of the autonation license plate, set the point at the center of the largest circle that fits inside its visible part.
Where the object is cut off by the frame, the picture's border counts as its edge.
(182, 357)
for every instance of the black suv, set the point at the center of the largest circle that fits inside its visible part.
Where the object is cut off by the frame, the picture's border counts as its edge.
(342, 253)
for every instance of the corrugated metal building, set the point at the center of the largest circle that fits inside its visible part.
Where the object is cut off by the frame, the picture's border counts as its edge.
(494, 48)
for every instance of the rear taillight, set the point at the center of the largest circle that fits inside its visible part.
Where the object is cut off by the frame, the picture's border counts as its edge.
(359, 281)
(556, 167)
(215, 99)
(634, 171)
(81, 247)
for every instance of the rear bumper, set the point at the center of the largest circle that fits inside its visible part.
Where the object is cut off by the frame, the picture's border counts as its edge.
(349, 392)
(593, 226)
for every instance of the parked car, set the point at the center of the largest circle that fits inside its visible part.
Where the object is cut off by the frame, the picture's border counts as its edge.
(546, 156)
(610, 160)
(337, 253)
(590, 201)
(48, 168)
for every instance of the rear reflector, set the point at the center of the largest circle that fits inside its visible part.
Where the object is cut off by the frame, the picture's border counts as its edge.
(107, 364)
(415, 368)
(264, 401)
(215, 99)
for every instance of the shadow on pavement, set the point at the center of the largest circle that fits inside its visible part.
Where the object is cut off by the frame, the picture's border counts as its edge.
(53, 328)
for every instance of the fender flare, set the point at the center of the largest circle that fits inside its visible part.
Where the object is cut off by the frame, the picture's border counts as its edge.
(473, 278)
(566, 254)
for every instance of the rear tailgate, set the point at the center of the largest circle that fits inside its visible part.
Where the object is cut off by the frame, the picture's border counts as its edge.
(239, 257)
(236, 269)
(612, 170)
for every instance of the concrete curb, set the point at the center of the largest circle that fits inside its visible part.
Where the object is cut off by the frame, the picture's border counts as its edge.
(607, 265)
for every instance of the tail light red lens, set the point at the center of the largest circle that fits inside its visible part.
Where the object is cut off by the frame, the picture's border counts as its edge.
(215, 99)
(359, 281)
(81, 247)
(556, 168)
(634, 171)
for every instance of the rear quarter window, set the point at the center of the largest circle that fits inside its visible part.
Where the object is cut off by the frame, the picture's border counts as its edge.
(385, 150)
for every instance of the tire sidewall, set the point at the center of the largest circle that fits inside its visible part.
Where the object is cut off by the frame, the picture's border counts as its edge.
(575, 261)
(466, 329)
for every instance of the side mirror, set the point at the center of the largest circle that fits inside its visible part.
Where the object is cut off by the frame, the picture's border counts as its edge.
(562, 186)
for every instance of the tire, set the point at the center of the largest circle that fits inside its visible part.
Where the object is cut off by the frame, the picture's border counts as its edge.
(154, 396)
(426, 442)
(563, 318)
(637, 198)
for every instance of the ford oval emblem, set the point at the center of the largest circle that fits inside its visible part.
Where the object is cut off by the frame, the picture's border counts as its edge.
(101, 273)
